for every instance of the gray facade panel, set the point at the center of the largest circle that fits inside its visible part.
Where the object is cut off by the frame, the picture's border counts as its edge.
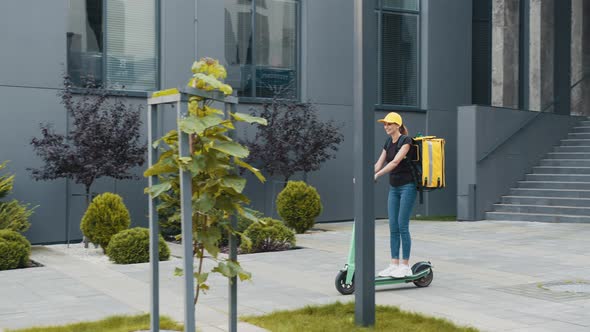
(27, 108)
(33, 35)
(329, 57)
(177, 42)
(466, 162)
(448, 54)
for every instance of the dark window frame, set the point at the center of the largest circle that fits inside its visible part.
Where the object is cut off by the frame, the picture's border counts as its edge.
(252, 98)
(381, 10)
(103, 43)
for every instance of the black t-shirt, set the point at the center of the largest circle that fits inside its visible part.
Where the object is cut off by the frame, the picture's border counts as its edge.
(402, 174)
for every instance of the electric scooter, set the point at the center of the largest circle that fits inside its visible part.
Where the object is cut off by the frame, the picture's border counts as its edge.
(422, 274)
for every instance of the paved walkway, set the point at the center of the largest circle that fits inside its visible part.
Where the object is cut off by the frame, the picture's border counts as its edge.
(496, 276)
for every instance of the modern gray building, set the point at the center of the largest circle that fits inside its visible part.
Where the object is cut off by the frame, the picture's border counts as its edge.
(501, 80)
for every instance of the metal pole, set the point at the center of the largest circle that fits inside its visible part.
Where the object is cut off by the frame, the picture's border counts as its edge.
(233, 253)
(187, 224)
(364, 97)
(154, 229)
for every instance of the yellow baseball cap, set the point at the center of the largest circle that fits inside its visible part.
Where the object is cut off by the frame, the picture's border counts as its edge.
(392, 117)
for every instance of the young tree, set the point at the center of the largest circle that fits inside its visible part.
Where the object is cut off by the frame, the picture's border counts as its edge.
(213, 164)
(104, 140)
(295, 140)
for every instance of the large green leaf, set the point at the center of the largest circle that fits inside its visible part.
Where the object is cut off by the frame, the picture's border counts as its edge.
(157, 189)
(236, 269)
(232, 148)
(249, 118)
(223, 269)
(198, 164)
(197, 125)
(210, 240)
(235, 182)
(201, 277)
(252, 169)
(248, 214)
(204, 203)
(161, 167)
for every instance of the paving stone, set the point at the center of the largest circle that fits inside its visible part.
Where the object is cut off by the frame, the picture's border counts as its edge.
(485, 276)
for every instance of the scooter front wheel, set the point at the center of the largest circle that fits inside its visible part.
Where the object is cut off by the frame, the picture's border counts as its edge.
(427, 279)
(341, 285)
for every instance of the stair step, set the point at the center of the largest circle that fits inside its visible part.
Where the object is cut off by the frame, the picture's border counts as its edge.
(584, 123)
(572, 148)
(575, 142)
(565, 162)
(560, 170)
(543, 209)
(558, 177)
(579, 135)
(537, 192)
(581, 129)
(539, 217)
(554, 185)
(568, 155)
(553, 201)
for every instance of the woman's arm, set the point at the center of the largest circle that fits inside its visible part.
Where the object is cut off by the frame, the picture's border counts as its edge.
(401, 154)
(381, 161)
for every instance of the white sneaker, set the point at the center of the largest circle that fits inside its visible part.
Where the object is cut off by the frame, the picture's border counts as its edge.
(401, 271)
(387, 272)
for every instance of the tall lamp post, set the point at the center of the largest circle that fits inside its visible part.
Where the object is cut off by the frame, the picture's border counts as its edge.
(364, 100)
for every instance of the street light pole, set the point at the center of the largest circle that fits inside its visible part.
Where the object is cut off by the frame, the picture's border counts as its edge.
(364, 100)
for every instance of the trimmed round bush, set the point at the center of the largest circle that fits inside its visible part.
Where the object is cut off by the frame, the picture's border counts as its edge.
(298, 205)
(268, 235)
(15, 250)
(132, 246)
(106, 216)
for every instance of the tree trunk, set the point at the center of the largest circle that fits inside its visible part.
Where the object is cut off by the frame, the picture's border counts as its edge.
(87, 197)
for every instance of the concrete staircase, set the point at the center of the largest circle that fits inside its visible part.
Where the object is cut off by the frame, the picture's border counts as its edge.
(558, 190)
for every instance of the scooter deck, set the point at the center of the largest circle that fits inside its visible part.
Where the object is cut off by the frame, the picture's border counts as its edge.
(392, 280)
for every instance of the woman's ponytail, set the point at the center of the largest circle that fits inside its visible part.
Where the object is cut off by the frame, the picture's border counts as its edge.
(403, 130)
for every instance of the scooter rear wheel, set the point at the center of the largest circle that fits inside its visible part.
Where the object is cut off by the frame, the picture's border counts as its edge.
(427, 279)
(341, 285)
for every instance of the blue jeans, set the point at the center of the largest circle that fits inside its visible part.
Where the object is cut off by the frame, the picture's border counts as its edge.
(400, 203)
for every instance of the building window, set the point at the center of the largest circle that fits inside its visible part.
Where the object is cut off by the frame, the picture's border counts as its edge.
(399, 53)
(261, 47)
(114, 43)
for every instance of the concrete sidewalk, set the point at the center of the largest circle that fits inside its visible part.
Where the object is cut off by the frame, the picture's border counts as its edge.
(496, 276)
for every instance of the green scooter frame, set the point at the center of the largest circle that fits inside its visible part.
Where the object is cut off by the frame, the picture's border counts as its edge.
(422, 274)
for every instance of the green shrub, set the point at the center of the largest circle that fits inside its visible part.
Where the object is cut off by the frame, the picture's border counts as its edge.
(298, 205)
(15, 250)
(13, 214)
(105, 217)
(268, 235)
(133, 246)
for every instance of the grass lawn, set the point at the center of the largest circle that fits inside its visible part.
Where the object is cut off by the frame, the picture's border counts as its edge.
(434, 218)
(110, 324)
(340, 317)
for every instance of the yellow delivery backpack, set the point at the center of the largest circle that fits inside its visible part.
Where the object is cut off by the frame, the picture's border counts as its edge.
(430, 161)
(427, 162)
